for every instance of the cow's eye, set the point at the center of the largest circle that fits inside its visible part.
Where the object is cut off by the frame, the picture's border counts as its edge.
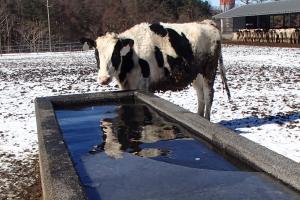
(97, 58)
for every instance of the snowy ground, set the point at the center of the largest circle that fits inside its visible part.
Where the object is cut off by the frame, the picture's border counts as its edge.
(265, 107)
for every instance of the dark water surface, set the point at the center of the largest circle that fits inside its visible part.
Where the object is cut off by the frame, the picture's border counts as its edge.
(131, 152)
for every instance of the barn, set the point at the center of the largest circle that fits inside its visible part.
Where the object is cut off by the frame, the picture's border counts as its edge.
(270, 15)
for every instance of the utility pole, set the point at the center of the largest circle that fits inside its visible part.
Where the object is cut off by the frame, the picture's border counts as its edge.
(49, 30)
(8, 34)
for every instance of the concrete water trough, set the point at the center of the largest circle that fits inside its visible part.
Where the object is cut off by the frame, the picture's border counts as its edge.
(134, 145)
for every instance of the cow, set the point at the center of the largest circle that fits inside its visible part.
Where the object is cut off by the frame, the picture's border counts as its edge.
(291, 34)
(237, 36)
(259, 35)
(297, 36)
(163, 56)
(266, 37)
(280, 36)
(272, 35)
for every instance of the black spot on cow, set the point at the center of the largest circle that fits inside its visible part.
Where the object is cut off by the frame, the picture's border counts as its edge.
(158, 29)
(167, 73)
(179, 68)
(126, 66)
(178, 63)
(116, 55)
(181, 45)
(145, 68)
(159, 57)
(97, 58)
(126, 42)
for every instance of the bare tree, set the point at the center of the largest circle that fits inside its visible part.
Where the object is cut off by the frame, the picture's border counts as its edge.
(2, 25)
(10, 19)
(32, 32)
(71, 19)
(6, 26)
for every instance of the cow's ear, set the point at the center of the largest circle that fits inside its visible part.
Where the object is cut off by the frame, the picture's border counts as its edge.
(90, 42)
(127, 45)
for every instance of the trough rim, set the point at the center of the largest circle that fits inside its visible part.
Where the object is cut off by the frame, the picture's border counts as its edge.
(241, 148)
(59, 177)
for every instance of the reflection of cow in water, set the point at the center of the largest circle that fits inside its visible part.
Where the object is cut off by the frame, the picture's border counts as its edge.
(134, 126)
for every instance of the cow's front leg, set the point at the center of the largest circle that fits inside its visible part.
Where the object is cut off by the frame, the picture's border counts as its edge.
(198, 86)
(135, 80)
(144, 84)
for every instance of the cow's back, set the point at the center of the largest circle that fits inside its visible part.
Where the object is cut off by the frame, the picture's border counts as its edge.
(202, 36)
(185, 50)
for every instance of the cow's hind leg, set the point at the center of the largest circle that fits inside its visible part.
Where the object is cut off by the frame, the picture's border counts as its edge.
(198, 86)
(208, 91)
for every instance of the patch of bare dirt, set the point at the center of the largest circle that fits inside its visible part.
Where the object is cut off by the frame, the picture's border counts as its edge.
(21, 179)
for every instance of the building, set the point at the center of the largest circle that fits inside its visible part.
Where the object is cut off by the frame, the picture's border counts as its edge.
(277, 14)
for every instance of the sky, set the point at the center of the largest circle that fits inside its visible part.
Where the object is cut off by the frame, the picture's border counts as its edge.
(217, 2)
(214, 2)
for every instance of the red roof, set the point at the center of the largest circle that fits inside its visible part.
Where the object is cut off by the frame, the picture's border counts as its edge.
(222, 2)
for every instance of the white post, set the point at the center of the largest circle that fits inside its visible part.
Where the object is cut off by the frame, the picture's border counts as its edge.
(222, 26)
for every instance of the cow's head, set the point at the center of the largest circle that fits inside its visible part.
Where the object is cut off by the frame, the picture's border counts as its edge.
(109, 52)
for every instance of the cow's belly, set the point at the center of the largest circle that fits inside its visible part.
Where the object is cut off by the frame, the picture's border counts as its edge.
(182, 75)
(175, 81)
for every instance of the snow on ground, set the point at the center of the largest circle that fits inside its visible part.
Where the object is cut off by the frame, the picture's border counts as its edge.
(265, 106)
(23, 77)
(265, 89)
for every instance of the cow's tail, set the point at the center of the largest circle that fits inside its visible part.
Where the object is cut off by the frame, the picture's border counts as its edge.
(223, 74)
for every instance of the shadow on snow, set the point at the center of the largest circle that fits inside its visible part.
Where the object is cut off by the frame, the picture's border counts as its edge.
(255, 121)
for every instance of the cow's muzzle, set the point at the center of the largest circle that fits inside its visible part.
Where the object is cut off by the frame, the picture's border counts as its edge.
(104, 80)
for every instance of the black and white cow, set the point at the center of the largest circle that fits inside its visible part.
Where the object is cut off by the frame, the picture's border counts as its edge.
(163, 56)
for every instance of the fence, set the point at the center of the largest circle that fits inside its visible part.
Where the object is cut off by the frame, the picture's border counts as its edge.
(41, 47)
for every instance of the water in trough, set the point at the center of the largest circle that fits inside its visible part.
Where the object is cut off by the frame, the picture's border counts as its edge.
(130, 151)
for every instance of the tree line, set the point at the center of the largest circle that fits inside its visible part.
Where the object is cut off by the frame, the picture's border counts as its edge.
(26, 22)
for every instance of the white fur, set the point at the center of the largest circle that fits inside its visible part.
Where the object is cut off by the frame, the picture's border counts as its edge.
(105, 45)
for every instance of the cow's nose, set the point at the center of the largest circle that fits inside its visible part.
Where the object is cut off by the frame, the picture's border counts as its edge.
(104, 80)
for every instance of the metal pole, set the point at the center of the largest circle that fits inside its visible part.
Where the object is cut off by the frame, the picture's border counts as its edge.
(49, 30)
